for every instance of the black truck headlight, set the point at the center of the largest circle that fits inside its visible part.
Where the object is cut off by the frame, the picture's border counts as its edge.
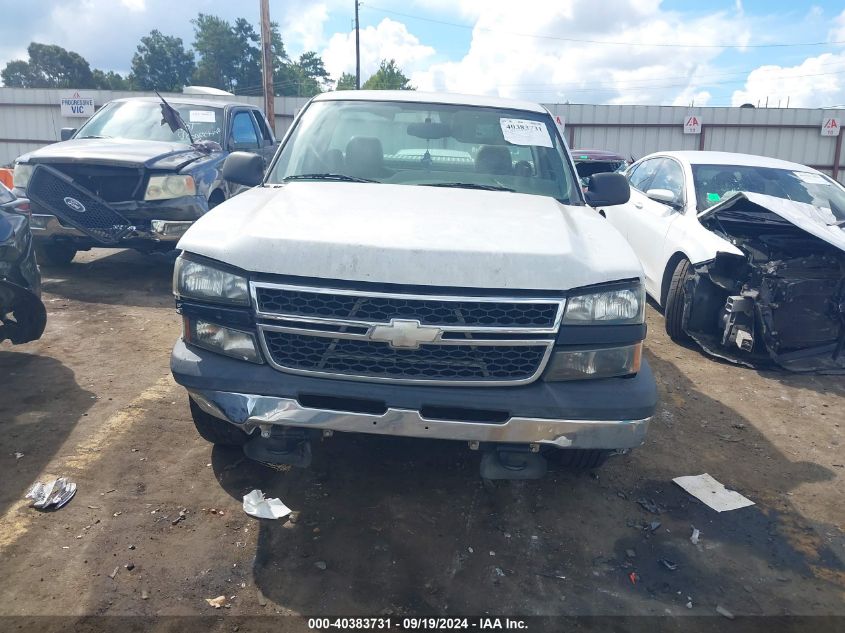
(221, 339)
(196, 280)
(620, 305)
(596, 362)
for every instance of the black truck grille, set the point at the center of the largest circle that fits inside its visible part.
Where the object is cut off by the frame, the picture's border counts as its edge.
(405, 337)
(371, 359)
(427, 311)
(108, 182)
(75, 205)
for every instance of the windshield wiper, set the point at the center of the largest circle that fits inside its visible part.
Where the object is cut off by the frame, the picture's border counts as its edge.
(338, 177)
(467, 185)
(95, 136)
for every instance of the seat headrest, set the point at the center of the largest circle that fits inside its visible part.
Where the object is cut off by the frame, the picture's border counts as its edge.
(493, 159)
(364, 155)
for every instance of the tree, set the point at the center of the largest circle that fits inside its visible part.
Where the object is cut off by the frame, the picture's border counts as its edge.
(388, 77)
(110, 80)
(346, 82)
(49, 66)
(217, 47)
(162, 63)
(310, 75)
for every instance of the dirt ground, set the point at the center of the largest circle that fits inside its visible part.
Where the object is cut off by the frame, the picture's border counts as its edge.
(388, 526)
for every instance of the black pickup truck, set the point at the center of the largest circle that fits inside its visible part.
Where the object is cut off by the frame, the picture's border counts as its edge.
(132, 178)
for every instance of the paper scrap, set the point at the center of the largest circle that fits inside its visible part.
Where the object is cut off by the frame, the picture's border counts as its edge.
(525, 132)
(256, 505)
(54, 493)
(217, 602)
(201, 116)
(712, 493)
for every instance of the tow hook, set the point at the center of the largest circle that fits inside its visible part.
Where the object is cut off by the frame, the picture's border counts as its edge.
(513, 462)
(277, 446)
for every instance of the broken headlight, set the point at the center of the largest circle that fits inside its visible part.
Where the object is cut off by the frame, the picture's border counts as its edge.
(195, 280)
(166, 187)
(21, 175)
(221, 339)
(615, 306)
(604, 362)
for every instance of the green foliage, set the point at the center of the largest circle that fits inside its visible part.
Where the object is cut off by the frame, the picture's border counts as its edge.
(161, 63)
(388, 77)
(346, 82)
(49, 66)
(111, 81)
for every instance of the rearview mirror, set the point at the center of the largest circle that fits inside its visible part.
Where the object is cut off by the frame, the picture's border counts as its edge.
(662, 195)
(67, 132)
(244, 168)
(430, 130)
(607, 190)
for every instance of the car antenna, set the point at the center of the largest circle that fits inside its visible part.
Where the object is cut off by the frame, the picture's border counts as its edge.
(171, 116)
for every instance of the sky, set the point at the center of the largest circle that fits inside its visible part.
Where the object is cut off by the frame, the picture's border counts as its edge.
(669, 52)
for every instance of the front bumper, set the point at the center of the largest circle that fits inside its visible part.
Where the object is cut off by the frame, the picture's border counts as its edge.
(607, 414)
(45, 226)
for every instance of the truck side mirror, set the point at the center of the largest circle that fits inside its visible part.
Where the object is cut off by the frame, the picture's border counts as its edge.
(67, 132)
(244, 168)
(607, 190)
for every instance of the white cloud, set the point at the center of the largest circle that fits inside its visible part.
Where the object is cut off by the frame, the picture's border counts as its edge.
(837, 33)
(388, 40)
(303, 30)
(816, 82)
(134, 5)
(520, 49)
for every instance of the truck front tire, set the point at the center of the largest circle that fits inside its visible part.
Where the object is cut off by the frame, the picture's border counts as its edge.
(55, 253)
(215, 430)
(674, 312)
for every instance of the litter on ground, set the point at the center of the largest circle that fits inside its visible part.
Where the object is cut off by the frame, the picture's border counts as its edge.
(51, 494)
(255, 504)
(712, 493)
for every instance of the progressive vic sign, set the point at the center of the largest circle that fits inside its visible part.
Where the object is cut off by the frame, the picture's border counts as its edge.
(77, 105)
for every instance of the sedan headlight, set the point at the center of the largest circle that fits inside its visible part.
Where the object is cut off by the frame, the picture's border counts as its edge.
(21, 175)
(619, 306)
(604, 362)
(221, 339)
(166, 187)
(200, 281)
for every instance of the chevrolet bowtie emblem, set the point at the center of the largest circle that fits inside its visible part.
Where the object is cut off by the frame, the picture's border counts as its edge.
(405, 334)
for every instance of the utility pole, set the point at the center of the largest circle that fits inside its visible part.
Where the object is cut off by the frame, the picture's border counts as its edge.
(357, 49)
(267, 65)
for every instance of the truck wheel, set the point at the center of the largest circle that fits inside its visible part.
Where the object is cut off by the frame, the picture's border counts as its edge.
(674, 311)
(579, 458)
(55, 253)
(215, 430)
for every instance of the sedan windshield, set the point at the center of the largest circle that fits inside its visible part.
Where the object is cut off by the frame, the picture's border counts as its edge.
(427, 144)
(714, 183)
(142, 121)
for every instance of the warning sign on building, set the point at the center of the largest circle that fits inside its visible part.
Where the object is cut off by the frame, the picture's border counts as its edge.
(692, 124)
(77, 105)
(830, 127)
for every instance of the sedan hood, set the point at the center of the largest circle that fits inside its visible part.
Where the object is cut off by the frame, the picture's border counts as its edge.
(414, 235)
(123, 152)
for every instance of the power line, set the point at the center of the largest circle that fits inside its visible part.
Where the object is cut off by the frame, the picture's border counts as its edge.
(602, 42)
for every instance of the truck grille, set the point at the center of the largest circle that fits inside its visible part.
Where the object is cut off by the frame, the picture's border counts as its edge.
(108, 182)
(364, 335)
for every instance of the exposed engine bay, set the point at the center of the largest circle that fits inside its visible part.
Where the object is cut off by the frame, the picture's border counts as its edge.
(783, 302)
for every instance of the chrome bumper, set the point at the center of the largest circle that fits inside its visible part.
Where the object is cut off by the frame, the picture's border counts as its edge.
(45, 226)
(249, 412)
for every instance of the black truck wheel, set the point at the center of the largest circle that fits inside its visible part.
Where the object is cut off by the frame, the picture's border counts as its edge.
(55, 253)
(214, 429)
(674, 309)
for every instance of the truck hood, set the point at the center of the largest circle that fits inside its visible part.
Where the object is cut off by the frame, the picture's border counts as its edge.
(413, 235)
(122, 152)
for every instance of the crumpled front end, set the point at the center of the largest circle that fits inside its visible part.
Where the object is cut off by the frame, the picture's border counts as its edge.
(22, 314)
(781, 304)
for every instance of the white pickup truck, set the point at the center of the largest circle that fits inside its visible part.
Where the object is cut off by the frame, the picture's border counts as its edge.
(419, 265)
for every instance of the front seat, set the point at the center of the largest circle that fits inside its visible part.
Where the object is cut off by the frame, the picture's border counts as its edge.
(364, 158)
(493, 159)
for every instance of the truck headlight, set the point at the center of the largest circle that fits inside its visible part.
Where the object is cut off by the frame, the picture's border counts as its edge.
(200, 281)
(166, 187)
(221, 339)
(618, 306)
(605, 362)
(21, 175)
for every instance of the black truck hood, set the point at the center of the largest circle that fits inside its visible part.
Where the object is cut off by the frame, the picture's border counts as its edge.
(123, 152)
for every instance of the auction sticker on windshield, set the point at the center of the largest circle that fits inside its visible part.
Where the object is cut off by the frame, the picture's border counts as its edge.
(525, 132)
(201, 116)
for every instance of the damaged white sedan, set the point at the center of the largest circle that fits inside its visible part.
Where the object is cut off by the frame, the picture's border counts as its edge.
(745, 254)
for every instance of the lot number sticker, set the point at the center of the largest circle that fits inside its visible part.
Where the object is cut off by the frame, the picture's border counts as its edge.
(201, 116)
(525, 132)
(692, 124)
(830, 127)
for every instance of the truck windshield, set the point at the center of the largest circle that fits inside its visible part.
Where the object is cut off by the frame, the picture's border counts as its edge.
(141, 120)
(427, 144)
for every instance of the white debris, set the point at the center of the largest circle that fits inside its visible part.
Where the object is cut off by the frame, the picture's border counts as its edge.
(694, 538)
(712, 493)
(255, 504)
(54, 493)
